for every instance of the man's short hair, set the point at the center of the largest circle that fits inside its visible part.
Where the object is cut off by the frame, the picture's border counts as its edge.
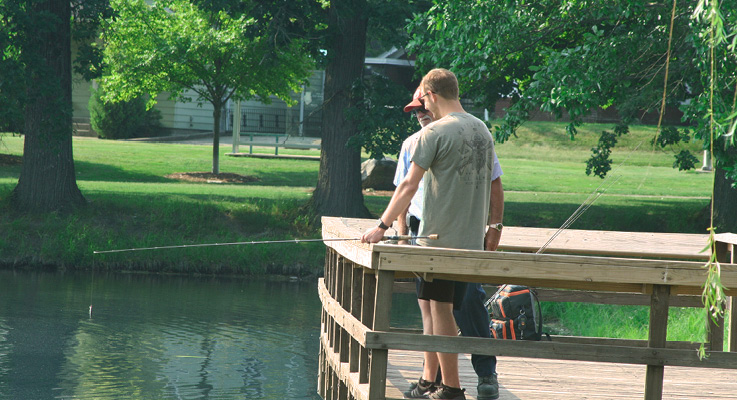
(441, 82)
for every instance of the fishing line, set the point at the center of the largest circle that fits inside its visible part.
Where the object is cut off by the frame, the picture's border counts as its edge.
(92, 290)
(596, 193)
(607, 183)
(183, 246)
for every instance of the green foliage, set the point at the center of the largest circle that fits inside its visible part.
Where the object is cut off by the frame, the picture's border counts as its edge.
(123, 119)
(86, 17)
(173, 45)
(16, 56)
(382, 125)
(600, 163)
(575, 56)
(625, 322)
(685, 161)
(12, 83)
(201, 54)
(671, 136)
(714, 107)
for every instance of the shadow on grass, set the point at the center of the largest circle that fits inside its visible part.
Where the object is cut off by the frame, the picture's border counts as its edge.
(286, 176)
(107, 173)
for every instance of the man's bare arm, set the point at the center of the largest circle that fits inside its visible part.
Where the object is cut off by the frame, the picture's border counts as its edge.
(402, 226)
(496, 214)
(398, 204)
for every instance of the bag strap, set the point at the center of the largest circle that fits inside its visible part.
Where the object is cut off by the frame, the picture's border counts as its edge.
(537, 314)
(491, 298)
(539, 327)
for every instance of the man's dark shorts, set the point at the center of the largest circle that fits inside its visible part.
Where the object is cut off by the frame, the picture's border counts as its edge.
(443, 291)
(439, 290)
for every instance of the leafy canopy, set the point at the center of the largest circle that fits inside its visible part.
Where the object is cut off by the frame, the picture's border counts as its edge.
(382, 125)
(574, 56)
(173, 45)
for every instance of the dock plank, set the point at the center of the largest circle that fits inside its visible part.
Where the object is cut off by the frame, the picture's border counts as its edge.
(541, 379)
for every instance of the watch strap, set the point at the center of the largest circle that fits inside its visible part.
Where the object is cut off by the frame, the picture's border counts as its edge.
(498, 226)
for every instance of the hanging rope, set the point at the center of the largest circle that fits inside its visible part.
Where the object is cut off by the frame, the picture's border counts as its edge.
(667, 66)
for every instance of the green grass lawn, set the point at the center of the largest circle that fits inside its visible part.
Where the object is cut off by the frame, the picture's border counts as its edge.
(125, 182)
(133, 204)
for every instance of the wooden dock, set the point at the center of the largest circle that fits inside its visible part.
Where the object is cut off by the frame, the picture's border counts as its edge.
(539, 379)
(363, 357)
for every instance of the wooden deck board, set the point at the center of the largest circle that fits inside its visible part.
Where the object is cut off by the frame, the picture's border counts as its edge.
(677, 246)
(540, 379)
(680, 246)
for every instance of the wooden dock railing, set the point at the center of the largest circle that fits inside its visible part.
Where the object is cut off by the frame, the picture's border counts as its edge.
(617, 268)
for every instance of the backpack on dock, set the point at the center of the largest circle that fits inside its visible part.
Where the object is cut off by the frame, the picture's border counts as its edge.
(515, 313)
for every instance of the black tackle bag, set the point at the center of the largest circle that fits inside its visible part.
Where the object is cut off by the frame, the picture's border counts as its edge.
(515, 313)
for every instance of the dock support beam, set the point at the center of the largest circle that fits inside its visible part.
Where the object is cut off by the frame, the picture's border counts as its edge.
(725, 250)
(380, 357)
(659, 302)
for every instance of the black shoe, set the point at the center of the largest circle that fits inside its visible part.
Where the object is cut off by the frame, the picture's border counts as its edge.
(448, 393)
(488, 388)
(420, 390)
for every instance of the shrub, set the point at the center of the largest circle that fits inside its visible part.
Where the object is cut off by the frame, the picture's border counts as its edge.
(122, 120)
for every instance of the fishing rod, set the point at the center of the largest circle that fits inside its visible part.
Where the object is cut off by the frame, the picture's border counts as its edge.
(182, 246)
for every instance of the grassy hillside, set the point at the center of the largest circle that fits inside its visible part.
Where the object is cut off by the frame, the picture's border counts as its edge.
(133, 202)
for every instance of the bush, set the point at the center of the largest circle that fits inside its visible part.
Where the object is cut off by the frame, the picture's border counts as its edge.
(122, 120)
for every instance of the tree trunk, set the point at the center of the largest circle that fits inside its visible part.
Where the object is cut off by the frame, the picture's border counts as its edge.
(217, 110)
(338, 191)
(47, 179)
(725, 203)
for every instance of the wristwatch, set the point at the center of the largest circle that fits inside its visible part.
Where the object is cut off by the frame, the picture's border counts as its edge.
(382, 225)
(498, 226)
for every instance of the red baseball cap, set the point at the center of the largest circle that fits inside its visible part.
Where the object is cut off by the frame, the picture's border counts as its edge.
(415, 103)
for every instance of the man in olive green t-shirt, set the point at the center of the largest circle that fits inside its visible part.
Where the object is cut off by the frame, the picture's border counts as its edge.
(457, 153)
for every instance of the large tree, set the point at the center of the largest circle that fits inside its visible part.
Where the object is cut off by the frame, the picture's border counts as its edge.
(575, 56)
(36, 59)
(338, 190)
(220, 50)
(344, 131)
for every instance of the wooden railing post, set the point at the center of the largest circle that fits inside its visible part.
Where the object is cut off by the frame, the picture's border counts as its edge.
(338, 296)
(732, 338)
(367, 318)
(356, 307)
(382, 311)
(657, 332)
(725, 254)
(326, 375)
(715, 332)
(345, 302)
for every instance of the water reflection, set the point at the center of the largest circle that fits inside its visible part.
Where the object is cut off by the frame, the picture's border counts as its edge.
(5, 349)
(161, 337)
(156, 337)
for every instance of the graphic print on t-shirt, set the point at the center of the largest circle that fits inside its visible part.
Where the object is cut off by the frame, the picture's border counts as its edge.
(476, 157)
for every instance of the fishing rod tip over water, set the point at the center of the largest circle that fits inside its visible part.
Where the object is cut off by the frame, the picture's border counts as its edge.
(182, 246)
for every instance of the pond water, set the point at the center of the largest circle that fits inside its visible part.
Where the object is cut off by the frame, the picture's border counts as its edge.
(130, 336)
